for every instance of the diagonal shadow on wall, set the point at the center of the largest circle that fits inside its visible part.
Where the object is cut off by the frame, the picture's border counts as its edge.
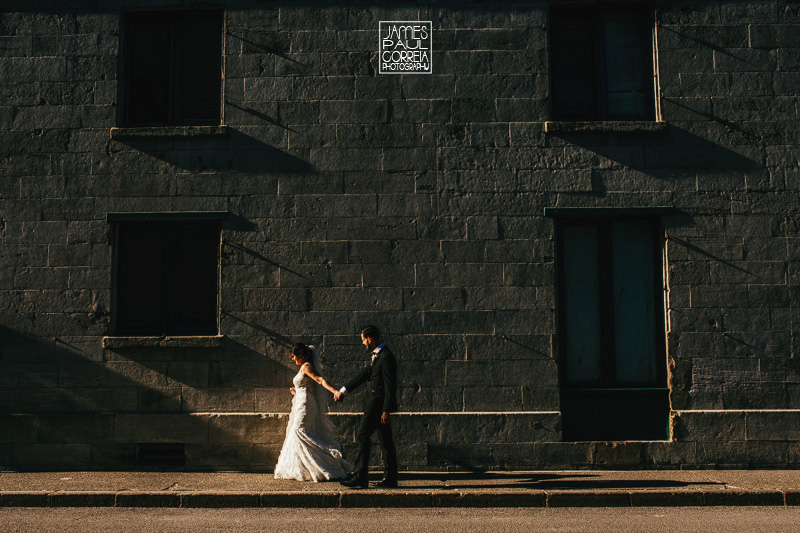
(236, 152)
(673, 158)
(63, 408)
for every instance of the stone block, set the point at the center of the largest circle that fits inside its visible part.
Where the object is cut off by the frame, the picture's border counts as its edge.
(479, 397)
(617, 454)
(717, 36)
(419, 398)
(737, 454)
(667, 498)
(36, 375)
(346, 299)
(147, 499)
(497, 298)
(283, 299)
(670, 454)
(455, 322)
(383, 183)
(744, 497)
(432, 299)
(215, 399)
(772, 426)
(34, 400)
(385, 499)
(353, 112)
(153, 428)
(389, 276)
(754, 396)
(710, 426)
(265, 456)
(273, 400)
(423, 205)
(468, 373)
(220, 500)
(418, 110)
(81, 499)
(111, 399)
(292, 499)
(122, 374)
(582, 498)
(75, 429)
(770, 36)
(246, 429)
(54, 456)
(415, 374)
(369, 252)
(24, 499)
(331, 18)
(17, 429)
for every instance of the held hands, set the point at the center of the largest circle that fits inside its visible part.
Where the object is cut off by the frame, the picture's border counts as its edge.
(337, 396)
(291, 389)
(385, 418)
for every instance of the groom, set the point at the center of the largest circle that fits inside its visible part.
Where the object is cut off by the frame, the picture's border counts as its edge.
(380, 400)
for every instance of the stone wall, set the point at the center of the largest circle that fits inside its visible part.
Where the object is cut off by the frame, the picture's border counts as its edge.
(412, 202)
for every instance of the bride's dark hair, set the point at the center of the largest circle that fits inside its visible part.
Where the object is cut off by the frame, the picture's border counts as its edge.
(302, 351)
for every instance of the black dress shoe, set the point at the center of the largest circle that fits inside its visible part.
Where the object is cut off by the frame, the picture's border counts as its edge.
(354, 482)
(386, 483)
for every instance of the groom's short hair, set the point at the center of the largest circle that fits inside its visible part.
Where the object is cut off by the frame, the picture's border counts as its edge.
(371, 332)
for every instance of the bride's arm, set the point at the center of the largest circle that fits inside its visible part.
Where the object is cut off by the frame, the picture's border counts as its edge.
(308, 370)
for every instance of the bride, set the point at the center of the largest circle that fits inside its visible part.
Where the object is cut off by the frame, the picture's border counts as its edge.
(310, 451)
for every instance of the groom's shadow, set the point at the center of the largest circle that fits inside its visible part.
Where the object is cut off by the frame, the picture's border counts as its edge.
(533, 481)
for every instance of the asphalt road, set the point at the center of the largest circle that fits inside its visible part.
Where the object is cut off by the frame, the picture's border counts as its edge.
(650, 519)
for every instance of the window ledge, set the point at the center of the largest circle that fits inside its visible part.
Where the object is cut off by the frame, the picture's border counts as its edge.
(160, 132)
(611, 126)
(210, 341)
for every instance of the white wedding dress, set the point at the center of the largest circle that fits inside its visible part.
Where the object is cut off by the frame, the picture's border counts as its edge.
(310, 451)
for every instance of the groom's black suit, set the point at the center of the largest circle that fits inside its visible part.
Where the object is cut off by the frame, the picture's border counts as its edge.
(380, 397)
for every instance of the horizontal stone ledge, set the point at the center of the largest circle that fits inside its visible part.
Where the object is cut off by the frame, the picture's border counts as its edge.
(734, 411)
(210, 341)
(167, 132)
(611, 126)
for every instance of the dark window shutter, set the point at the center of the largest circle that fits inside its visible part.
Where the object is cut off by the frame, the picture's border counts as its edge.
(199, 44)
(167, 278)
(142, 278)
(601, 63)
(626, 60)
(572, 51)
(196, 280)
(173, 67)
(147, 70)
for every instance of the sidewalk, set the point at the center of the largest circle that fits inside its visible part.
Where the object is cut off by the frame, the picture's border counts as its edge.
(417, 489)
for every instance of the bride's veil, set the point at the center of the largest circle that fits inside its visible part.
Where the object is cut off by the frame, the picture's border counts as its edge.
(320, 394)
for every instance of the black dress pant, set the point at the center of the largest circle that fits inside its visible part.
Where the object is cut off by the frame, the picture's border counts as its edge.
(370, 422)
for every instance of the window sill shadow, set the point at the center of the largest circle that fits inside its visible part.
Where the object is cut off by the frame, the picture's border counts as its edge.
(611, 126)
(161, 132)
(189, 341)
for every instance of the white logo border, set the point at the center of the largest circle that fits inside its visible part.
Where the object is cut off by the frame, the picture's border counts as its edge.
(380, 46)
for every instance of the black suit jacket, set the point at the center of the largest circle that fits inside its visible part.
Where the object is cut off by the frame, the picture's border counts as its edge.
(381, 376)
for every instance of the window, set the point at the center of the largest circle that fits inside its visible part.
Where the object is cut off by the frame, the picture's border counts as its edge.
(166, 277)
(173, 68)
(611, 330)
(602, 62)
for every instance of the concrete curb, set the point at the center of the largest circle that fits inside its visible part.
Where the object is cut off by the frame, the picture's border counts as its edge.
(402, 498)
